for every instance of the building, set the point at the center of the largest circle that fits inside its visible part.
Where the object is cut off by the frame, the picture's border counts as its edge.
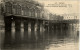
(1, 19)
(55, 17)
(26, 9)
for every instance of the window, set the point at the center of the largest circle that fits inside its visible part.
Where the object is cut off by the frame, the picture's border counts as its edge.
(18, 9)
(33, 12)
(38, 13)
(8, 6)
(27, 11)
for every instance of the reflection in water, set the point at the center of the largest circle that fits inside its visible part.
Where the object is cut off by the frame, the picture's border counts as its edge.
(55, 40)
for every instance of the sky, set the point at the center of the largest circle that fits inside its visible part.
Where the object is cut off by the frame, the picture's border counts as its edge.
(61, 10)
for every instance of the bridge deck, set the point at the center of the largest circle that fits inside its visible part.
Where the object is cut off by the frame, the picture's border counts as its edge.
(48, 20)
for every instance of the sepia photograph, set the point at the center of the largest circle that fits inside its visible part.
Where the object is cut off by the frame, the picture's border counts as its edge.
(39, 24)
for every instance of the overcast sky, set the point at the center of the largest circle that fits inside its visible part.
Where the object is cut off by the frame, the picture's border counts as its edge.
(61, 10)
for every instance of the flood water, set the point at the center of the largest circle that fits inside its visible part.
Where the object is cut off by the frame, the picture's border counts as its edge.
(54, 40)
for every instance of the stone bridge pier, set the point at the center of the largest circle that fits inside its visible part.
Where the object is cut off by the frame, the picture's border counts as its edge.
(8, 22)
(32, 30)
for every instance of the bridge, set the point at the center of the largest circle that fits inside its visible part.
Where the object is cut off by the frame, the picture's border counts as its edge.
(32, 20)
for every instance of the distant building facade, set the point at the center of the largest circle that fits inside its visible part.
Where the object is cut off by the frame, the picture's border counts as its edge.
(55, 17)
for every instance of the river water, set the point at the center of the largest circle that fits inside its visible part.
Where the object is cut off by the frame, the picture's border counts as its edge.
(55, 40)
